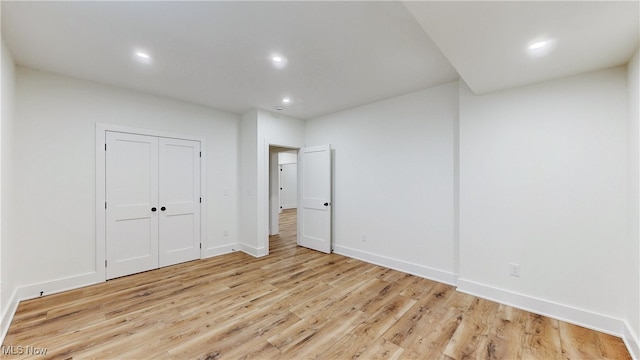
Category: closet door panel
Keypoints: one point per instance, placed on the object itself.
(131, 195)
(179, 199)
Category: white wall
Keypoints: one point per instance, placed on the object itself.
(632, 287)
(55, 168)
(287, 185)
(288, 157)
(280, 130)
(543, 183)
(248, 167)
(6, 192)
(277, 130)
(259, 130)
(394, 180)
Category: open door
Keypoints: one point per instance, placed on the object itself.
(314, 192)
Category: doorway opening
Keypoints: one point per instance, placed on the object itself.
(283, 197)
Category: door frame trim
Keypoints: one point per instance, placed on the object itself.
(100, 171)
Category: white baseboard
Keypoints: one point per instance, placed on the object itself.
(220, 250)
(7, 314)
(632, 341)
(33, 291)
(400, 265)
(229, 248)
(254, 251)
(569, 314)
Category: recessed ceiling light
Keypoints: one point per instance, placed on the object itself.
(142, 56)
(279, 108)
(542, 46)
(278, 60)
(537, 45)
(286, 100)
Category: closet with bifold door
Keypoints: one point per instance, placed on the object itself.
(152, 208)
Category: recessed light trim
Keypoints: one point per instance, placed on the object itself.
(537, 45)
(540, 47)
(279, 61)
(286, 100)
(142, 56)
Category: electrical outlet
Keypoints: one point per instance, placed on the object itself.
(514, 270)
(225, 232)
(364, 237)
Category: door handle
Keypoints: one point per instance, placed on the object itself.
(153, 209)
(326, 204)
(163, 208)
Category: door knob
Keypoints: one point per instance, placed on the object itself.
(326, 204)
(163, 208)
(153, 209)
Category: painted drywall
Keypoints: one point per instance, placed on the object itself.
(248, 167)
(258, 130)
(7, 277)
(273, 130)
(287, 157)
(54, 163)
(287, 178)
(543, 184)
(394, 180)
(632, 288)
(280, 130)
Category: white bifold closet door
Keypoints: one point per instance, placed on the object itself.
(152, 202)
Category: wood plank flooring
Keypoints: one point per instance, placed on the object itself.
(293, 304)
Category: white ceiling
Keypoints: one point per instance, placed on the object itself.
(487, 42)
(340, 54)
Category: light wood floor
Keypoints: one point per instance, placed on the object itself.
(293, 304)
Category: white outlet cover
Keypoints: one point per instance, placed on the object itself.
(514, 270)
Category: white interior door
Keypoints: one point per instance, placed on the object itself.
(131, 203)
(289, 186)
(179, 200)
(314, 205)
